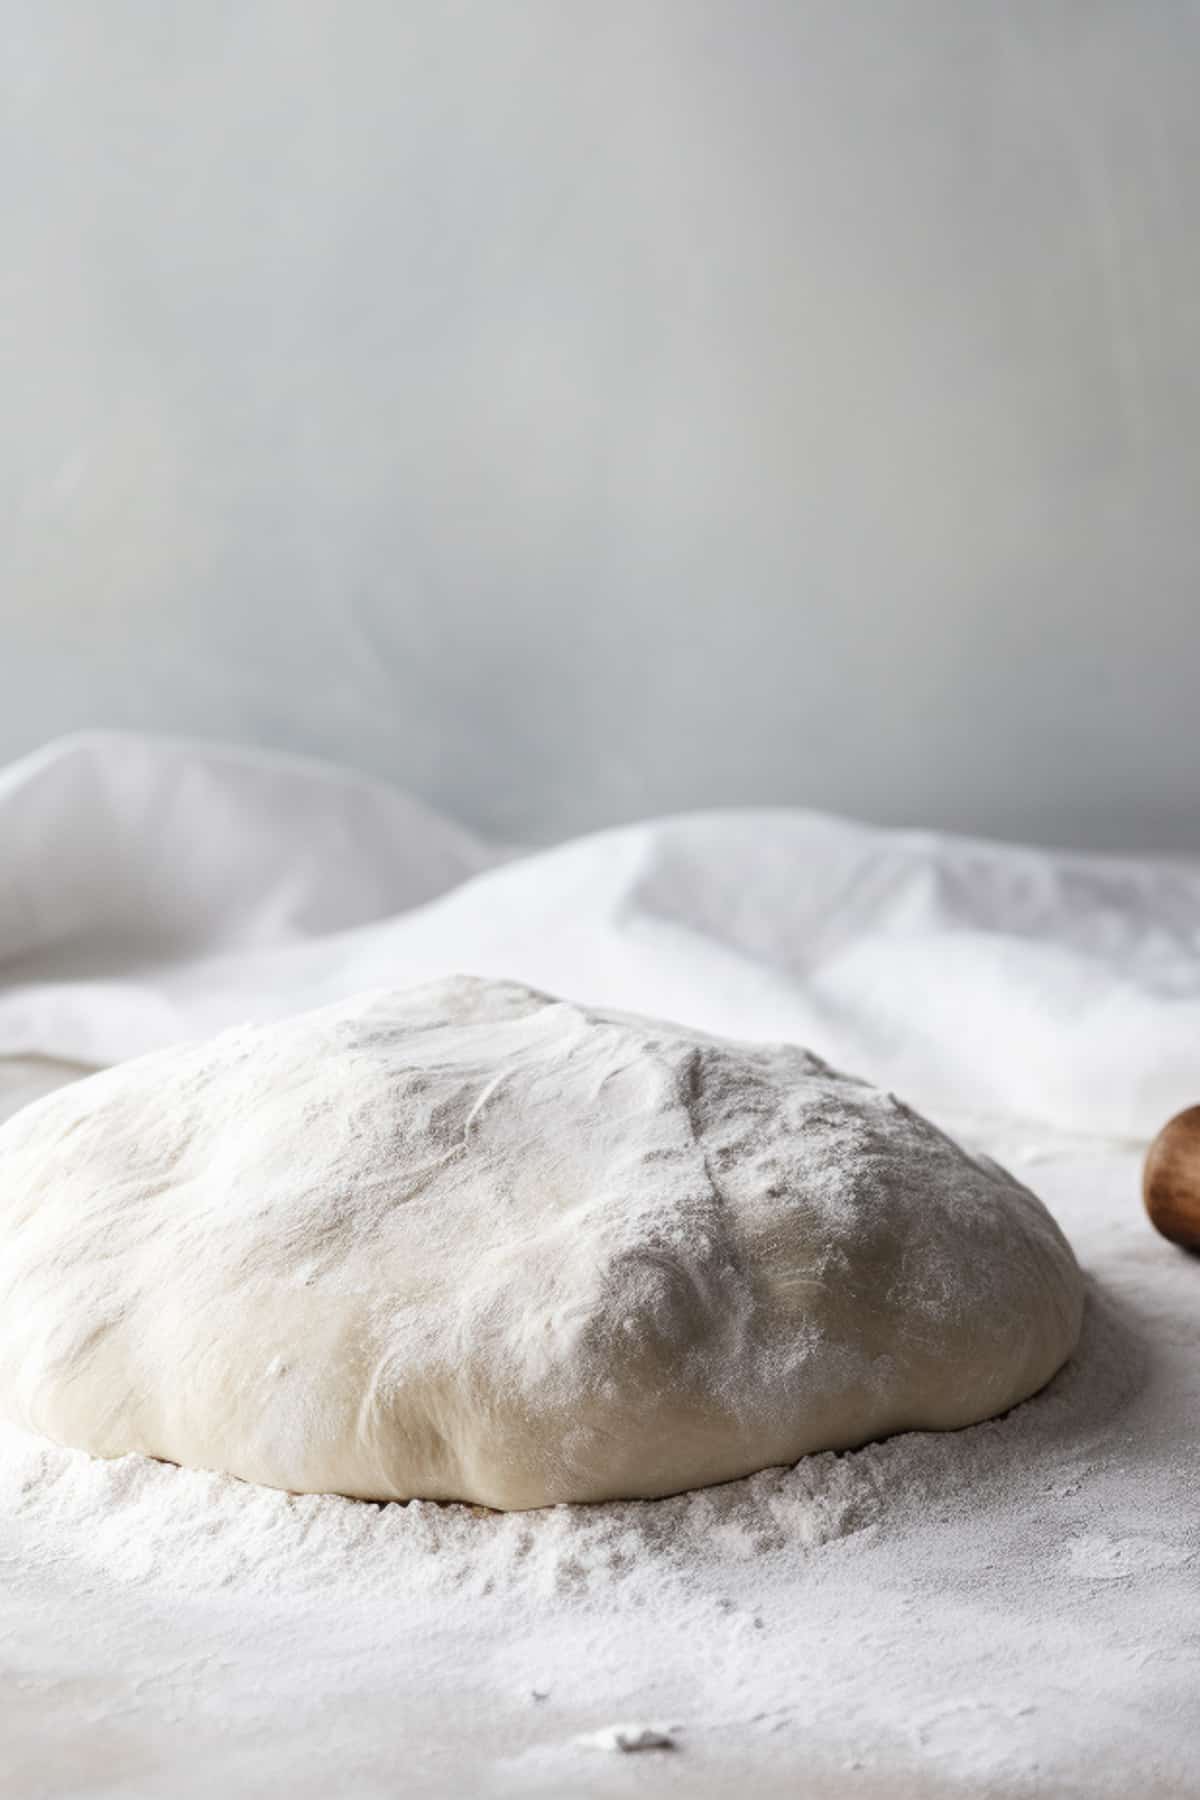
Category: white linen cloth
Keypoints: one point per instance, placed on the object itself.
(153, 890)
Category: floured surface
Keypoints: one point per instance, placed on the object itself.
(971, 1612)
(1007, 1610)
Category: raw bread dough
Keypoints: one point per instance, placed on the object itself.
(470, 1242)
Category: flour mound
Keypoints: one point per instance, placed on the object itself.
(471, 1242)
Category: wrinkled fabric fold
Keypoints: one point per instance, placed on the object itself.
(153, 891)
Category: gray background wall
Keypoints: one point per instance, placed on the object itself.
(574, 410)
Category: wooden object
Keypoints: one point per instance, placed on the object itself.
(1171, 1180)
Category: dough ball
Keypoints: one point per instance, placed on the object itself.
(470, 1242)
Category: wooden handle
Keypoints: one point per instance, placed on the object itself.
(1171, 1180)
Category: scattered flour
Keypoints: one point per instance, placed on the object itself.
(136, 1520)
(1005, 1610)
(630, 1737)
(1100, 1558)
(972, 1608)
